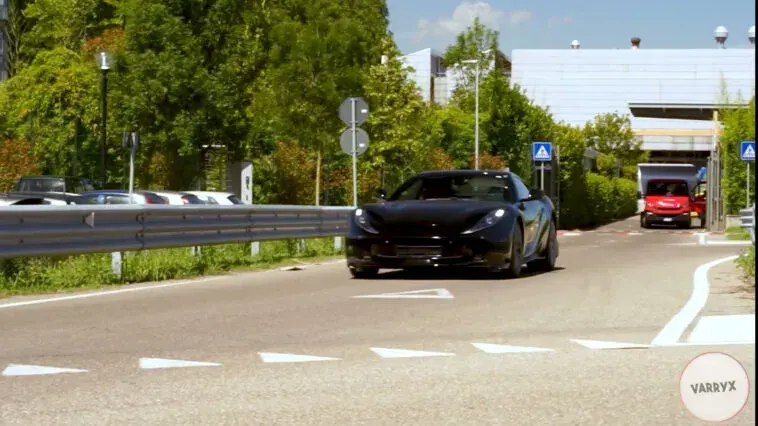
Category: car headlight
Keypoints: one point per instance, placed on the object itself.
(361, 219)
(490, 219)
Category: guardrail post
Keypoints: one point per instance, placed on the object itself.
(337, 244)
(255, 248)
(195, 250)
(116, 262)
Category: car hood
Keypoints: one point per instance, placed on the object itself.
(444, 213)
(665, 201)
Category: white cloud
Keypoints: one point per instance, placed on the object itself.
(463, 16)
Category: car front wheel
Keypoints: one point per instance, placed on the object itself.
(364, 273)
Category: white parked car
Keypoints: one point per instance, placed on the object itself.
(178, 198)
(220, 198)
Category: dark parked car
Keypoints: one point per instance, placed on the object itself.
(11, 199)
(463, 218)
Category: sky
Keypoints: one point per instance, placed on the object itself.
(553, 24)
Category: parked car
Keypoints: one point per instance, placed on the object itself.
(179, 198)
(56, 190)
(220, 198)
(11, 199)
(457, 218)
(121, 196)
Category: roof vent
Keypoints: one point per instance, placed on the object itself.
(721, 34)
(636, 42)
(575, 44)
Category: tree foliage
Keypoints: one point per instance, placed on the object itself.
(261, 80)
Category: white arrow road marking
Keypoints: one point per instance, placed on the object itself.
(600, 344)
(503, 349)
(271, 357)
(406, 353)
(438, 293)
(154, 363)
(35, 370)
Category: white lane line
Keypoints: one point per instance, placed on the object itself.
(273, 357)
(672, 332)
(155, 363)
(406, 353)
(438, 293)
(601, 344)
(106, 293)
(36, 370)
(492, 348)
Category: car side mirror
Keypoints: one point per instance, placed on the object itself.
(380, 195)
(534, 194)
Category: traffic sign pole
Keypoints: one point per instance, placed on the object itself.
(542, 175)
(355, 155)
(747, 154)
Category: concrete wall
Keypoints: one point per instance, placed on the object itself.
(578, 84)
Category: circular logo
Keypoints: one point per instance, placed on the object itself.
(714, 387)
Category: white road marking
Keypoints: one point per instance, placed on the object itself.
(439, 293)
(571, 234)
(155, 363)
(671, 333)
(724, 328)
(406, 353)
(36, 370)
(272, 357)
(106, 293)
(600, 344)
(491, 348)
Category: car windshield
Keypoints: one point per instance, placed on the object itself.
(478, 187)
(667, 188)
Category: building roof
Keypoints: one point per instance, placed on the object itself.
(678, 111)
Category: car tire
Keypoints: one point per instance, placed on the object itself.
(547, 263)
(364, 273)
(643, 222)
(517, 254)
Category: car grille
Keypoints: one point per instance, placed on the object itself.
(418, 251)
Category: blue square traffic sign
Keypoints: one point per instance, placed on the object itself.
(542, 151)
(747, 150)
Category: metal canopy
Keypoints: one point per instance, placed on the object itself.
(678, 111)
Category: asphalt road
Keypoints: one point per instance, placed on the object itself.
(615, 285)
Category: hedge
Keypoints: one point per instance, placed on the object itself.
(594, 200)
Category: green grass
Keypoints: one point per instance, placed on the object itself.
(737, 233)
(747, 263)
(92, 271)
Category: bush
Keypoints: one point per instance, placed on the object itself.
(747, 263)
(597, 200)
(35, 275)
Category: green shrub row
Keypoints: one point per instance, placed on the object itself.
(594, 200)
(48, 274)
(747, 263)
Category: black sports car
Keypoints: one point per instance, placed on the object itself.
(465, 218)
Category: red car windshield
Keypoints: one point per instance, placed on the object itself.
(667, 189)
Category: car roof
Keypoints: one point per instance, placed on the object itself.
(462, 172)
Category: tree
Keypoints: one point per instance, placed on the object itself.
(739, 125)
(394, 125)
(319, 54)
(611, 134)
(16, 160)
(476, 42)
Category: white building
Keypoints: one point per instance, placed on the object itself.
(436, 82)
(670, 93)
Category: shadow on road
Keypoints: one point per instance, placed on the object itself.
(449, 273)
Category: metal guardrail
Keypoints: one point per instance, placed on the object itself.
(747, 221)
(74, 229)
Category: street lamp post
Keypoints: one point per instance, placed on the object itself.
(104, 62)
(476, 112)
